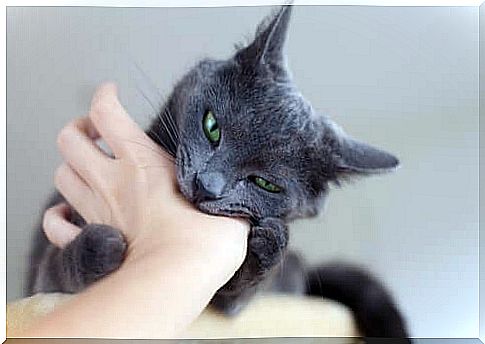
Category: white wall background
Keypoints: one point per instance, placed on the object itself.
(405, 79)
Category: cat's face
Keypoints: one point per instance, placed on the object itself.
(248, 142)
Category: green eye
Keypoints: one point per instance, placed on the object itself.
(264, 184)
(211, 128)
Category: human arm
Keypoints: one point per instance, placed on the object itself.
(177, 257)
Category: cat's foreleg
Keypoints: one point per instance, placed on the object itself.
(97, 251)
(267, 243)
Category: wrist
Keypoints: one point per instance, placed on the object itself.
(216, 245)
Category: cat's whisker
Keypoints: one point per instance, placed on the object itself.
(165, 118)
(168, 148)
(148, 100)
(172, 123)
(172, 139)
(158, 110)
(151, 83)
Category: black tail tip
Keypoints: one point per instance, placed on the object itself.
(375, 312)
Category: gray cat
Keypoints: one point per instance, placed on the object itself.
(246, 144)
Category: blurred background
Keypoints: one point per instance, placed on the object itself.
(404, 79)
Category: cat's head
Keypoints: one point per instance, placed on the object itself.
(250, 144)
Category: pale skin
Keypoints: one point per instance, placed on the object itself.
(177, 257)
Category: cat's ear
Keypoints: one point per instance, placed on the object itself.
(356, 157)
(267, 47)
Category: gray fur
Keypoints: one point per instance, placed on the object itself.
(268, 130)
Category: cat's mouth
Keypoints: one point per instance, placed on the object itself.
(230, 210)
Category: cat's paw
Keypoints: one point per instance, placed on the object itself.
(101, 250)
(267, 242)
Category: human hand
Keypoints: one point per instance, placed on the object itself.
(134, 191)
(177, 257)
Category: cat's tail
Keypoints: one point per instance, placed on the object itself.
(374, 309)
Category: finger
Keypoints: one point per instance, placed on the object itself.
(57, 228)
(118, 129)
(91, 130)
(111, 119)
(75, 191)
(75, 142)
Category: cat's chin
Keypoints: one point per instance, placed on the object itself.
(213, 208)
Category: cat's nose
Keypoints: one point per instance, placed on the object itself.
(210, 185)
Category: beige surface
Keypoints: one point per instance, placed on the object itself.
(268, 316)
